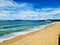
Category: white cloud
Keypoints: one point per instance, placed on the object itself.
(10, 10)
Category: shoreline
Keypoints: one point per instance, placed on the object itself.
(45, 36)
(23, 33)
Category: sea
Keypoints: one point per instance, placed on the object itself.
(12, 28)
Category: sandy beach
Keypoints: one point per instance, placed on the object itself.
(46, 36)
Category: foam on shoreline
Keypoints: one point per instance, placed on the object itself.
(13, 35)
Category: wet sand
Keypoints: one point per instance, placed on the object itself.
(46, 36)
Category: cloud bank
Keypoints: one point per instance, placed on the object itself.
(10, 10)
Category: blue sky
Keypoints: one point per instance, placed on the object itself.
(42, 3)
(29, 9)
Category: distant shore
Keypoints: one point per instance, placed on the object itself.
(46, 36)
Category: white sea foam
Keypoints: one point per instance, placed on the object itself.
(13, 35)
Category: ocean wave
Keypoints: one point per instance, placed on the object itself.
(4, 27)
(14, 34)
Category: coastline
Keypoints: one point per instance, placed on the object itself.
(30, 38)
(15, 34)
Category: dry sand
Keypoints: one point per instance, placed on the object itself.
(46, 36)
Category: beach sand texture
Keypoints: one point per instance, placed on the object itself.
(46, 36)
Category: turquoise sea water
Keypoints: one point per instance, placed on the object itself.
(12, 28)
(7, 27)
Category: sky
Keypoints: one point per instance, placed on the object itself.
(29, 9)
